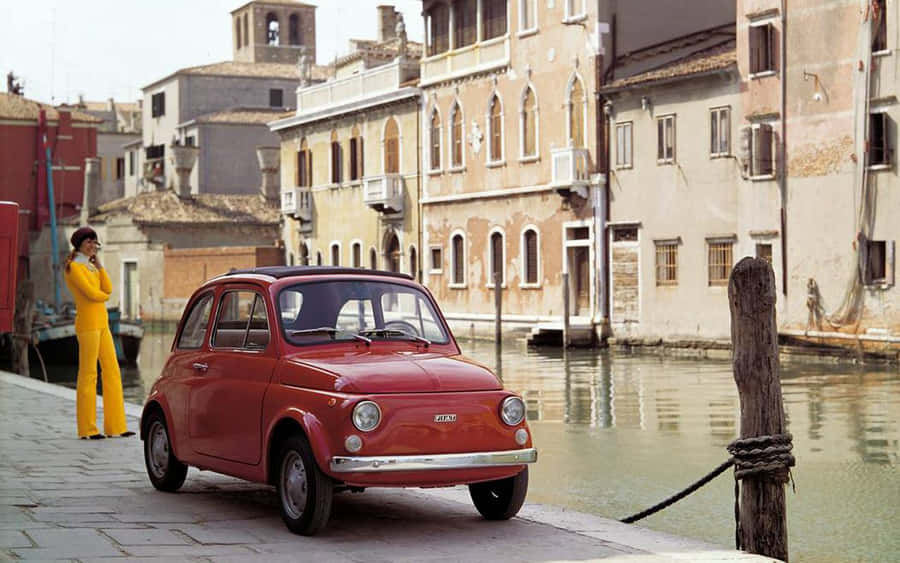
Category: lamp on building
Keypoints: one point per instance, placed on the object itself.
(645, 103)
(818, 94)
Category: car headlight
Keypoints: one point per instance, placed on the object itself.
(366, 416)
(512, 411)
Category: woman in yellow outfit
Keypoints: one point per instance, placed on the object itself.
(90, 286)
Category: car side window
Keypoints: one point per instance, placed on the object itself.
(196, 324)
(242, 321)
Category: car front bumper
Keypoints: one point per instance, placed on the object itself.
(377, 464)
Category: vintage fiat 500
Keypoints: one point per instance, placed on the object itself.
(324, 379)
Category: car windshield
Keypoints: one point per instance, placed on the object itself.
(319, 312)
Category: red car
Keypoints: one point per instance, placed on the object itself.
(326, 379)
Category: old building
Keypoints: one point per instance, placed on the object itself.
(512, 149)
(273, 31)
(674, 187)
(350, 162)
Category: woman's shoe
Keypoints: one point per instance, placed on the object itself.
(93, 437)
(126, 434)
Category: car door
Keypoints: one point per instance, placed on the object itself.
(189, 352)
(226, 406)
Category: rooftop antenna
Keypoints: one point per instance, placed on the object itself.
(52, 53)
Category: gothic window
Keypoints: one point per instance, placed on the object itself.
(336, 159)
(495, 129)
(530, 256)
(576, 113)
(435, 140)
(356, 154)
(456, 134)
(529, 123)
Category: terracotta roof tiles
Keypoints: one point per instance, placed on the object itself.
(166, 208)
(21, 108)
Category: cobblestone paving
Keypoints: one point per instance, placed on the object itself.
(67, 499)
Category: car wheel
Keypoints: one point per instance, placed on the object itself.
(165, 471)
(500, 499)
(305, 492)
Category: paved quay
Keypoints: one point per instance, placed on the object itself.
(67, 499)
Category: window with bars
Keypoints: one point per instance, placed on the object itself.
(465, 27)
(391, 147)
(576, 114)
(624, 133)
(762, 149)
(435, 140)
(880, 150)
(720, 260)
(531, 256)
(336, 159)
(719, 131)
(458, 260)
(665, 139)
(762, 48)
(437, 260)
(497, 259)
(529, 124)
(495, 130)
(493, 18)
(456, 136)
(438, 29)
(667, 262)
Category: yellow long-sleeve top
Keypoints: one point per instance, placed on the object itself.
(90, 286)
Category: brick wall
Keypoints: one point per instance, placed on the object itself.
(187, 268)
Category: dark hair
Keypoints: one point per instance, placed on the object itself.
(78, 237)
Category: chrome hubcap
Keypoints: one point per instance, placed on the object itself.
(159, 450)
(293, 485)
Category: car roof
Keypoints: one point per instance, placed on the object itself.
(279, 272)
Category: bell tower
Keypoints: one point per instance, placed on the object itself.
(273, 31)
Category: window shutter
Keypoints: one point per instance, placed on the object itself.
(770, 47)
(660, 140)
(890, 248)
(354, 175)
(362, 157)
(531, 257)
(754, 49)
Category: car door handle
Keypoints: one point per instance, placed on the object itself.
(201, 367)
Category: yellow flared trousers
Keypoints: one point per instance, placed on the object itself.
(94, 345)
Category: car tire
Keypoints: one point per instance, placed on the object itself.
(165, 471)
(500, 499)
(304, 492)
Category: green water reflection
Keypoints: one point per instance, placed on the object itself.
(617, 434)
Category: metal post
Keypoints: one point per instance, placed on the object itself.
(498, 306)
(565, 288)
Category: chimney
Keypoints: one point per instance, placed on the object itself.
(269, 163)
(387, 23)
(92, 194)
(183, 159)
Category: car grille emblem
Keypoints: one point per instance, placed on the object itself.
(445, 418)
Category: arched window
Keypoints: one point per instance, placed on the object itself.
(495, 129)
(357, 255)
(576, 113)
(272, 29)
(529, 123)
(530, 256)
(392, 253)
(318, 258)
(336, 159)
(413, 262)
(304, 165)
(237, 31)
(335, 254)
(458, 259)
(246, 31)
(497, 258)
(356, 154)
(435, 140)
(391, 147)
(373, 258)
(456, 136)
(304, 254)
(294, 29)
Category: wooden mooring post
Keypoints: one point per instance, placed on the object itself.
(498, 307)
(565, 315)
(763, 444)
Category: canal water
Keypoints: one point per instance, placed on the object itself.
(619, 433)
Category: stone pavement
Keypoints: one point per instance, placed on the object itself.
(70, 499)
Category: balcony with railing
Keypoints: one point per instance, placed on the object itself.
(384, 193)
(570, 171)
(371, 82)
(480, 57)
(298, 203)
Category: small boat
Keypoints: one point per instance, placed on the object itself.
(54, 336)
